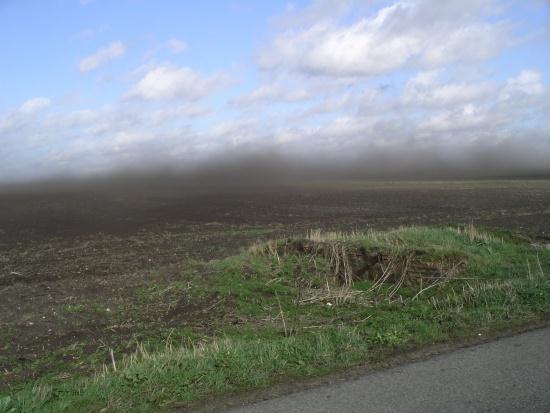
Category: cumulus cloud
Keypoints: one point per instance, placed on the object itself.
(101, 57)
(406, 34)
(86, 141)
(528, 82)
(169, 83)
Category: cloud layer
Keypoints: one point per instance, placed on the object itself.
(411, 88)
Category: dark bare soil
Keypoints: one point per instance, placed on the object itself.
(83, 271)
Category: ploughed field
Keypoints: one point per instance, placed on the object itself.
(84, 272)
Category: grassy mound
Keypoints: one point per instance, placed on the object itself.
(303, 307)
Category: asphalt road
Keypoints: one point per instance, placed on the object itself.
(508, 375)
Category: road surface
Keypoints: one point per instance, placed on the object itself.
(507, 375)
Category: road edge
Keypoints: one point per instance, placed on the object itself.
(400, 357)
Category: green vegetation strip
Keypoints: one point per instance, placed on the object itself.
(310, 306)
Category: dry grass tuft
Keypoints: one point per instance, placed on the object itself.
(348, 262)
(334, 296)
(475, 234)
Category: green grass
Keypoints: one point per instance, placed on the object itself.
(296, 317)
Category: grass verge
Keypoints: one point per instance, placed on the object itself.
(304, 307)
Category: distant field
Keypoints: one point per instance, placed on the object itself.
(85, 272)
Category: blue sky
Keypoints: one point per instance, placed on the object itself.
(89, 86)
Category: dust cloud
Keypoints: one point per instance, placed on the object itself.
(233, 171)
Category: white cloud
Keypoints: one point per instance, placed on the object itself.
(169, 83)
(425, 89)
(270, 93)
(34, 105)
(473, 43)
(177, 46)
(18, 118)
(128, 138)
(73, 119)
(101, 57)
(466, 117)
(405, 34)
(528, 82)
(328, 50)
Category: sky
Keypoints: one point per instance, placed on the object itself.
(88, 86)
